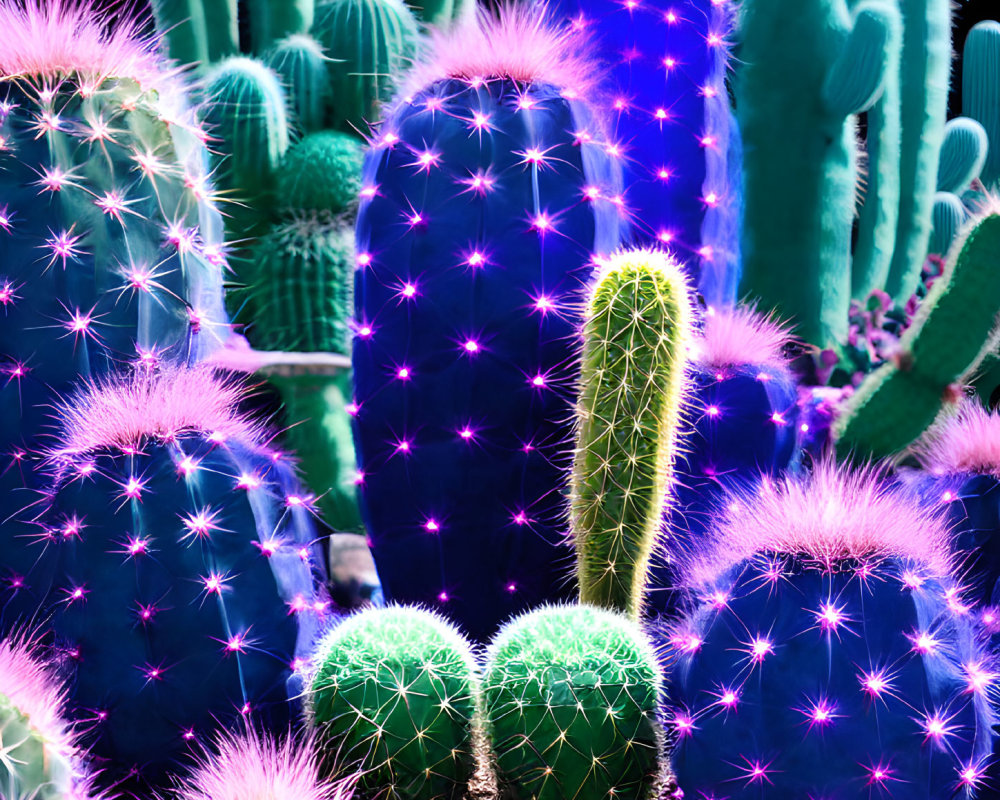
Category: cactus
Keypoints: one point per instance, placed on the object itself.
(321, 174)
(632, 391)
(300, 63)
(40, 759)
(274, 20)
(743, 405)
(980, 90)
(393, 694)
(173, 556)
(825, 650)
(948, 217)
(570, 696)
(372, 41)
(670, 115)
(257, 766)
(111, 243)
(924, 78)
(797, 234)
(951, 333)
(963, 154)
(484, 198)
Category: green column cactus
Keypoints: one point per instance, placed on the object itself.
(810, 65)
(300, 63)
(924, 81)
(954, 329)
(394, 693)
(981, 90)
(570, 698)
(632, 385)
(273, 20)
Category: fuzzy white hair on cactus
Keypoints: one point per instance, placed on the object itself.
(252, 766)
(834, 515)
(740, 336)
(125, 410)
(31, 685)
(520, 43)
(968, 441)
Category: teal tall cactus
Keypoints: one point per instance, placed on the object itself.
(924, 80)
(300, 63)
(632, 383)
(273, 20)
(955, 328)
(394, 693)
(570, 696)
(811, 65)
(981, 90)
(371, 42)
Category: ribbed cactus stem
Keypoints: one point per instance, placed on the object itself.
(953, 331)
(963, 154)
(632, 391)
(272, 20)
(300, 63)
(183, 23)
(981, 89)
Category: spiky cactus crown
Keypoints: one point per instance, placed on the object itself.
(253, 766)
(31, 686)
(966, 442)
(123, 412)
(835, 515)
(741, 335)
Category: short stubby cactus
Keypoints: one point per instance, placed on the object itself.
(632, 389)
(670, 116)
(40, 758)
(254, 766)
(826, 651)
(393, 695)
(112, 249)
(818, 67)
(486, 195)
(570, 697)
(321, 174)
(743, 403)
(175, 561)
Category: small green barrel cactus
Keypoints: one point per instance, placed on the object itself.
(321, 173)
(37, 754)
(632, 385)
(953, 331)
(570, 696)
(394, 693)
(373, 41)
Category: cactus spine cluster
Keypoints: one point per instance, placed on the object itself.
(632, 386)
(570, 696)
(393, 694)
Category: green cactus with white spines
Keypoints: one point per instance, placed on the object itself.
(570, 698)
(981, 90)
(632, 385)
(394, 693)
(321, 174)
(954, 330)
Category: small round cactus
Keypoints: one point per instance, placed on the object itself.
(394, 693)
(570, 696)
(321, 173)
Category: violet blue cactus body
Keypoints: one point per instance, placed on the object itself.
(486, 195)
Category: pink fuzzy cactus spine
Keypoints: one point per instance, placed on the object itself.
(40, 756)
(109, 230)
(825, 648)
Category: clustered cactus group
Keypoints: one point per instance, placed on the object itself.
(637, 540)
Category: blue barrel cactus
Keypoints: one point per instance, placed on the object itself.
(486, 196)
(826, 650)
(744, 424)
(112, 249)
(174, 561)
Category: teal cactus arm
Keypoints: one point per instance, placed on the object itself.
(632, 388)
(924, 82)
(949, 216)
(301, 64)
(876, 228)
(981, 89)
(954, 330)
(273, 20)
(222, 27)
(182, 24)
(963, 155)
(797, 233)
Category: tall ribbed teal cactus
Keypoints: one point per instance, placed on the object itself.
(370, 43)
(954, 329)
(394, 694)
(924, 78)
(300, 63)
(963, 154)
(570, 697)
(981, 90)
(811, 65)
(632, 384)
